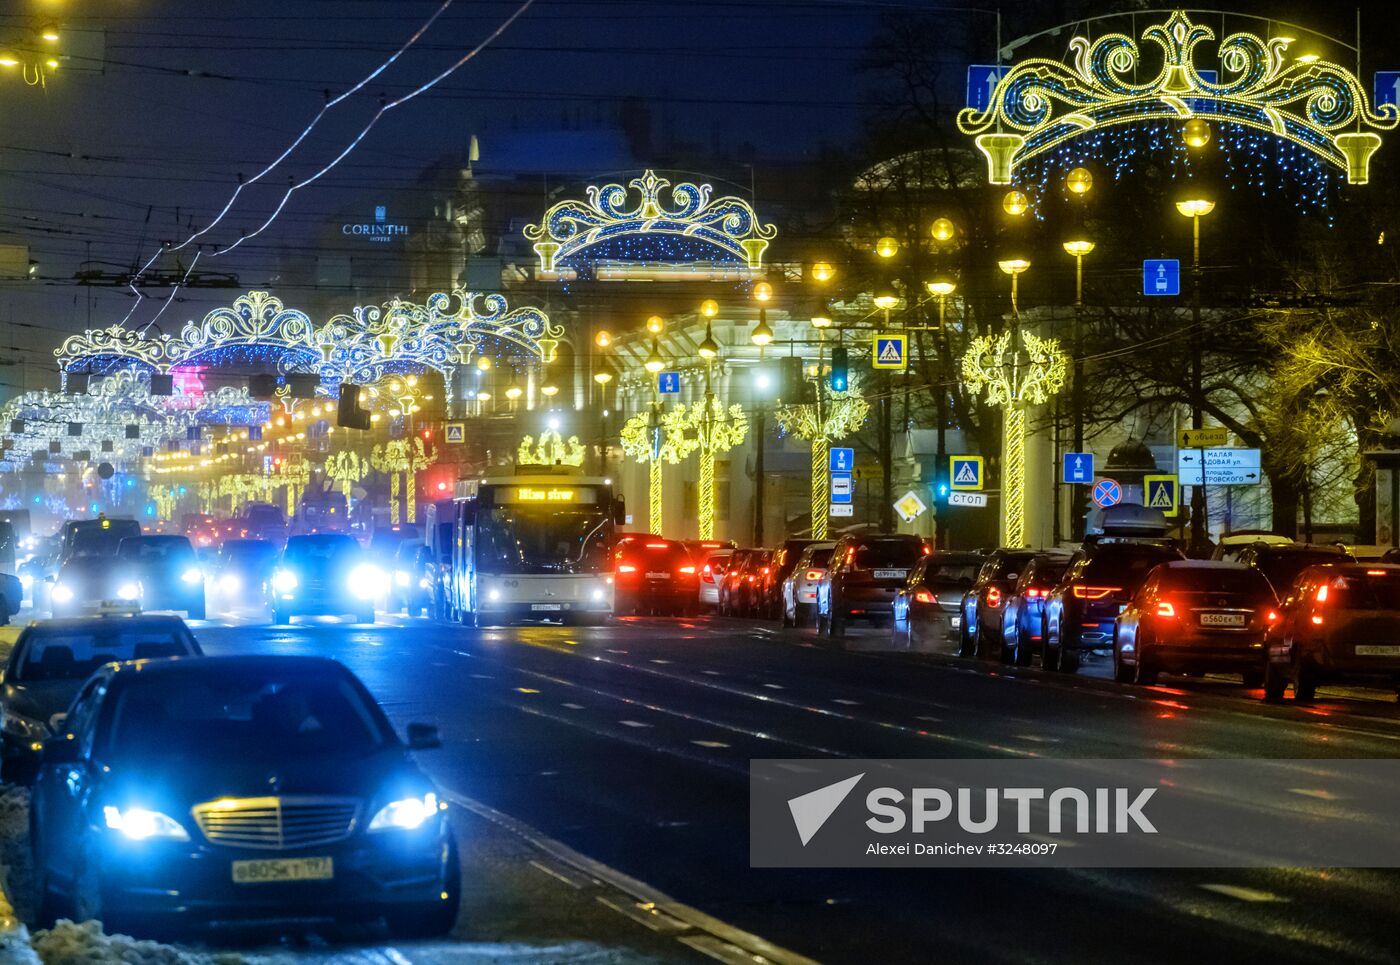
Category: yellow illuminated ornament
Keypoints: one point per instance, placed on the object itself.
(655, 437)
(1040, 104)
(833, 416)
(603, 376)
(1196, 133)
(550, 450)
(887, 247)
(943, 230)
(550, 391)
(1079, 181)
(821, 318)
(1015, 203)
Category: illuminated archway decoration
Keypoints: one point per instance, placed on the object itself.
(727, 227)
(1039, 104)
(991, 363)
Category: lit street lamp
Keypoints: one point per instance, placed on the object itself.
(1196, 209)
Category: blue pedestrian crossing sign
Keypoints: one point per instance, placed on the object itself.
(982, 80)
(1108, 493)
(1161, 276)
(456, 433)
(668, 382)
(1387, 87)
(841, 460)
(1078, 468)
(889, 352)
(1162, 492)
(965, 472)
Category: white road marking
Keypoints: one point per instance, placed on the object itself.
(633, 723)
(711, 744)
(660, 661)
(848, 703)
(931, 720)
(774, 686)
(1038, 739)
(617, 651)
(574, 706)
(712, 673)
(1242, 893)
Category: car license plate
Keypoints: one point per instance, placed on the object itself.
(547, 607)
(263, 870)
(658, 576)
(1376, 650)
(1223, 619)
(955, 622)
(890, 574)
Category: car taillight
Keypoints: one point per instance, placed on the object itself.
(1165, 609)
(688, 569)
(923, 596)
(707, 574)
(1033, 593)
(993, 598)
(1317, 620)
(1271, 616)
(813, 575)
(626, 568)
(1321, 598)
(928, 550)
(1094, 592)
(764, 571)
(1375, 572)
(850, 556)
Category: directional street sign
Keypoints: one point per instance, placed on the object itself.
(1078, 468)
(456, 433)
(1387, 87)
(965, 472)
(841, 460)
(982, 80)
(1162, 492)
(841, 509)
(889, 352)
(668, 382)
(1224, 467)
(967, 499)
(1161, 276)
(1108, 493)
(1203, 438)
(910, 507)
(842, 487)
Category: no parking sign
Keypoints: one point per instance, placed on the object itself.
(1107, 493)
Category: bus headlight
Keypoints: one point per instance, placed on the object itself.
(129, 591)
(62, 593)
(401, 577)
(284, 581)
(367, 581)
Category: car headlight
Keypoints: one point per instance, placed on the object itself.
(405, 814)
(284, 581)
(493, 595)
(401, 578)
(138, 824)
(21, 726)
(230, 583)
(192, 575)
(62, 593)
(425, 583)
(367, 581)
(129, 591)
(26, 580)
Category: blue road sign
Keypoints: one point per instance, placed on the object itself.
(841, 460)
(842, 487)
(1161, 276)
(255, 433)
(1387, 87)
(982, 80)
(1209, 76)
(965, 472)
(668, 383)
(1108, 493)
(1078, 468)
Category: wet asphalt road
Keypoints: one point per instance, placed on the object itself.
(631, 744)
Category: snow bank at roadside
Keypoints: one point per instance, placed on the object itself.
(86, 944)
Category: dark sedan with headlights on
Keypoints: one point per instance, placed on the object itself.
(217, 788)
(86, 584)
(166, 574)
(324, 573)
(50, 661)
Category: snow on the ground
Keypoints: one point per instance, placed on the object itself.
(16, 869)
(86, 944)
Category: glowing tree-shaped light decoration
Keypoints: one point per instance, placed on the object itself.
(714, 429)
(551, 450)
(166, 499)
(1014, 381)
(345, 468)
(656, 437)
(419, 457)
(390, 458)
(406, 456)
(294, 473)
(833, 416)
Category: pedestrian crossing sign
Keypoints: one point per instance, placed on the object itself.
(1162, 492)
(456, 433)
(965, 472)
(890, 352)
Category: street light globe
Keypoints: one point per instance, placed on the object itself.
(709, 308)
(654, 363)
(550, 390)
(1015, 203)
(886, 300)
(943, 230)
(514, 392)
(603, 339)
(1079, 248)
(821, 318)
(822, 271)
(655, 324)
(483, 397)
(887, 247)
(1079, 181)
(762, 334)
(1196, 132)
(1195, 207)
(762, 292)
(602, 376)
(942, 288)
(708, 348)
(484, 363)
(1013, 266)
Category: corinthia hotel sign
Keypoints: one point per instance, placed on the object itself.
(379, 231)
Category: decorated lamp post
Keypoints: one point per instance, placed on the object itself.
(294, 473)
(389, 458)
(834, 415)
(346, 468)
(1017, 370)
(655, 437)
(714, 429)
(406, 456)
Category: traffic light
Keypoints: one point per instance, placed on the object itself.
(791, 380)
(350, 415)
(262, 386)
(162, 383)
(302, 385)
(840, 369)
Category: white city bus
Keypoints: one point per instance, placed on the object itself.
(534, 546)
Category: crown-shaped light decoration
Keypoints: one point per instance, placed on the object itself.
(550, 450)
(728, 224)
(1039, 103)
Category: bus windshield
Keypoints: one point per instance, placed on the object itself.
(542, 539)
